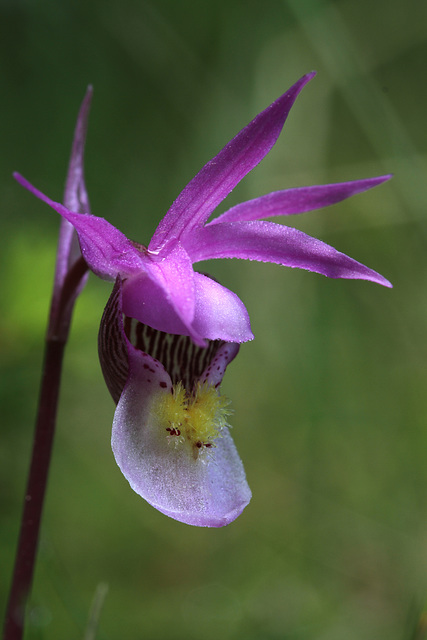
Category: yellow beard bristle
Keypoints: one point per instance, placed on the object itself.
(197, 418)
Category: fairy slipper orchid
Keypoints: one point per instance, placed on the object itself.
(169, 332)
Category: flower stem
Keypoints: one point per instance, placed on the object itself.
(56, 340)
(36, 488)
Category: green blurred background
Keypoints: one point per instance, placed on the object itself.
(329, 400)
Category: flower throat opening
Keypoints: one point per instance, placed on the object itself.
(184, 361)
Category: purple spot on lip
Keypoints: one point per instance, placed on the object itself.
(163, 384)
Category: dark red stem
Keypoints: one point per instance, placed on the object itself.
(36, 487)
(40, 460)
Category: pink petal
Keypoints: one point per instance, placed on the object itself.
(219, 176)
(298, 200)
(163, 296)
(270, 242)
(220, 314)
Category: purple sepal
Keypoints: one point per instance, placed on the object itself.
(270, 242)
(219, 314)
(297, 200)
(221, 174)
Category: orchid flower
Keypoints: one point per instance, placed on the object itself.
(169, 332)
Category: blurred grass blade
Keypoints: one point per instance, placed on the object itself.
(95, 611)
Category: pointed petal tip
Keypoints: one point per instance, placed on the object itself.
(85, 104)
(41, 196)
(27, 185)
(348, 269)
(373, 276)
(366, 274)
(305, 79)
(24, 183)
(292, 93)
(386, 283)
(381, 179)
(87, 96)
(310, 75)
